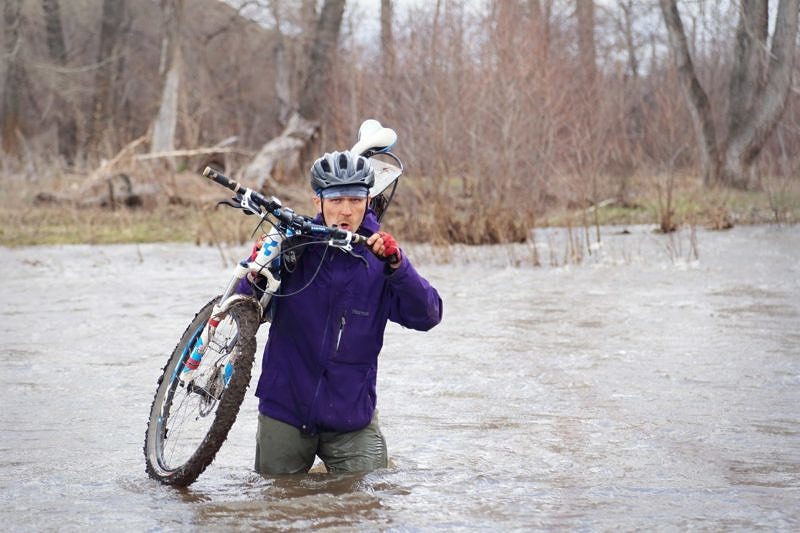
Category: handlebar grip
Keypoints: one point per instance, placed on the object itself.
(223, 180)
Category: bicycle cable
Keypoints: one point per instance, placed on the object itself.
(316, 272)
(295, 247)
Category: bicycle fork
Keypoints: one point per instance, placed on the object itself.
(218, 313)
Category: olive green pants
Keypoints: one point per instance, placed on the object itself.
(282, 449)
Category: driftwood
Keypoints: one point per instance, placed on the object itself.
(188, 153)
(221, 148)
(132, 179)
(113, 184)
(109, 185)
(281, 156)
(121, 191)
(136, 180)
(107, 169)
(111, 192)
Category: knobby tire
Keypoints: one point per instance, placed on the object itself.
(246, 313)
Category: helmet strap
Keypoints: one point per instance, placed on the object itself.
(322, 207)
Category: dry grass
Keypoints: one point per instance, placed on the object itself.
(436, 217)
(71, 225)
(690, 204)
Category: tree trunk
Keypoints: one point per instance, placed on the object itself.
(322, 52)
(285, 154)
(167, 119)
(748, 138)
(302, 58)
(584, 10)
(757, 99)
(56, 46)
(12, 87)
(387, 40)
(112, 17)
(281, 156)
(749, 61)
(696, 97)
(283, 78)
(435, 35)
(626, 28)
(540, 13)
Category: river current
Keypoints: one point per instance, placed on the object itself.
(653, 382)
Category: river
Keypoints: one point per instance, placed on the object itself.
(653, 383)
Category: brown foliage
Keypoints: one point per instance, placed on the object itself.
(503, 111)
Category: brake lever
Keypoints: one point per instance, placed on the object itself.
(346, 246)
(232, 202)
(352, 252)
(243, 202)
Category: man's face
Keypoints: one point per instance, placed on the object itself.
(346, 213)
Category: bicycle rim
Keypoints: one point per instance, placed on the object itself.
(190, 421)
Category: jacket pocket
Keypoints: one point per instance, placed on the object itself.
(358, 338)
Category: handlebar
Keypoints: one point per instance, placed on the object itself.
(299, 224)
(258, 198)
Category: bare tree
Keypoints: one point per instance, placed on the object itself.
(12, 87)
(57, 48)
(769, 101)
(284, 154)
(284, 101)
(758, 93)
(112, 18)
(166, 121)
(490, 98)
(749, 60)
(625, 26)
(699, 104)
(387, 38)
(326, 36)
(584, 11)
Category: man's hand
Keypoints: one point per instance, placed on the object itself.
(385, 248)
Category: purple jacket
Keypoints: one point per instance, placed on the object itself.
(321, 360)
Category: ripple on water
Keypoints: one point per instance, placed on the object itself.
(594, 397)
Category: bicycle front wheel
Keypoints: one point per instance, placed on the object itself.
(189, 421)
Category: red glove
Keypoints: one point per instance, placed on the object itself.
(391, 252)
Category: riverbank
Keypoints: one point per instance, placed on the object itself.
(24, 221)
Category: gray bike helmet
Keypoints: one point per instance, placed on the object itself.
(342, 174)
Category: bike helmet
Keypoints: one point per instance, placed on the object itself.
(342, 174)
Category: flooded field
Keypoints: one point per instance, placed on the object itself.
(653, 384)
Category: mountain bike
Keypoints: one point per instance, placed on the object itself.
(203, 383)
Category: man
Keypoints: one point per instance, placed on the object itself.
(317, 385)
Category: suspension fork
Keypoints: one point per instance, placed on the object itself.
(225, 301)
(218, 312)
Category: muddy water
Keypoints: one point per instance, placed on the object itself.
(646, 387)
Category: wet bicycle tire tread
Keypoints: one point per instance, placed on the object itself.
(247, 312)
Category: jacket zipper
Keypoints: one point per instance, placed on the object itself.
(342, 322)
(308, 428)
